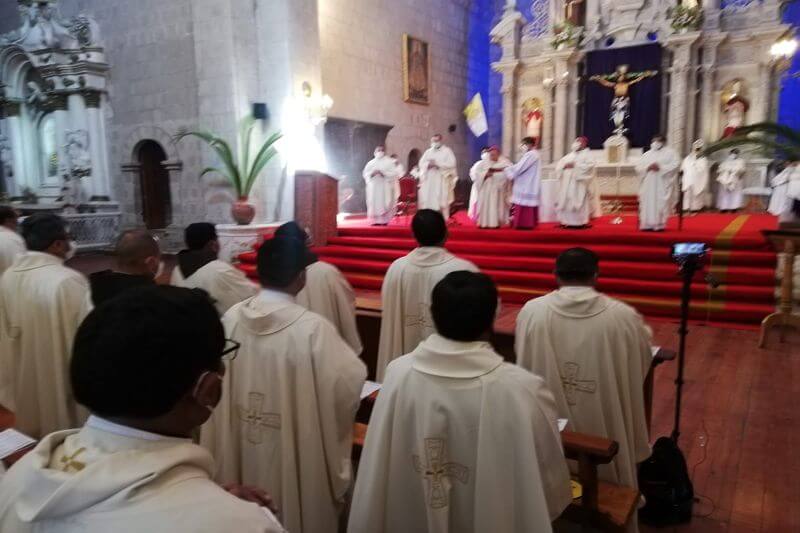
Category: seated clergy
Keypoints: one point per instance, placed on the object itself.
(199, 268)
(148, 365)
(42, 302)
(594, 353)
(406, 291)
(138, 262)
(286, 419)
(11, 243)
(459, 440)
(327, 291)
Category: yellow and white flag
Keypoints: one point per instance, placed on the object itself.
(476, 116)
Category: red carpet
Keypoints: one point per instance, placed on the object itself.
(635, 266)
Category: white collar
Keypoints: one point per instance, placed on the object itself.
(273, 296)
(101, 424)
(444, 357)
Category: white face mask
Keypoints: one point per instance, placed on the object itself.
(436, 144)
(160, 270)
(576, 146)
(379, 154)
(734, 155)
(657, 145)
(71, 251)
(485, 156)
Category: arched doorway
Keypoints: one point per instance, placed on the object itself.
(154, 183)
(413, 159)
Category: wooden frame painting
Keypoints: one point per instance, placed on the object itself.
(416, 70)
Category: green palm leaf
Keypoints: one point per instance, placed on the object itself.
(265, 154)
(771, 128)
(245, 136)
(223, 151)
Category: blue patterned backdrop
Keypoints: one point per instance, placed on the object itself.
(789, 109)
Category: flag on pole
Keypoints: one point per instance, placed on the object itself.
(476, 116)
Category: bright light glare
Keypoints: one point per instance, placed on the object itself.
(784, 49)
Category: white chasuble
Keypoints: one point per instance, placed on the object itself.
(781, 201)
(383, 189)
(328, 293)
(285, 421)
(11, 247)
(122, 480)
(575, 204)
(460, 441)
(226, 284)
(42, 303)
(489, 201)
(594, 353)
(730, 195)
(437, 180)
(406, 300)
(657, 187)
(527, 177)
(695, 182)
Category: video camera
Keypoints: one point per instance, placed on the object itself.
(689, 253)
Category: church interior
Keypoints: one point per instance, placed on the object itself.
(334, 157)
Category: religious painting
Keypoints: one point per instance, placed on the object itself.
(533, 119)
(416, 70)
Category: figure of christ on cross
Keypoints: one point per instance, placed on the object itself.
(435, 469)
(621, 81)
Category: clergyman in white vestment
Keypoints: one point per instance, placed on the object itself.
(695, 179)
(730, 196)
(327, 292)
(286, 417)
(489, 203)
(149, 368)
(437, 177)
(785, 190)
(383, 188)
(575, 171)
(200, 268)
(12, 244)
(459, 440)
(407, 286)
(594, 353)
(42, 303)
(657, 169)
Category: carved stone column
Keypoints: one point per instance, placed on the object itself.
(709, 72)
(681, 47)
(506, 34)
(509, 92)
(101, 182)
(562, 62)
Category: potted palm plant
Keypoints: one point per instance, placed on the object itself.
(773, 139)
(242, 173)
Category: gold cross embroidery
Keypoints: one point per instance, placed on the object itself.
(70, 462)
(573, 385)
(256, 420)
(422, 318)
(437, 471)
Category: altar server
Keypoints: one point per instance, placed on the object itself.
(42, 303)
(657, 169)
(575, 171)
(459, 440)
(200, 268)
(286, 417)
(526, 175)
(381, 175)
(437, 177)
(407, 286)
(695, 179)
(594, 353)
(489, 204)
(138, 262)
(785, 191)
(327, 291)
(12, 244)
(148, 366)
(730, 197)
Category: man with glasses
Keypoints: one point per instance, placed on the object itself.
(41, 305)
(286, 419)
(148, 366)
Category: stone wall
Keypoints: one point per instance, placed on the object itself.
(361, 46)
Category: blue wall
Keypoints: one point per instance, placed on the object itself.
(789, 108)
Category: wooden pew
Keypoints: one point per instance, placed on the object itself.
(606, 506)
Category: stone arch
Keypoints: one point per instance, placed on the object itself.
(154, 133)
(413, 159)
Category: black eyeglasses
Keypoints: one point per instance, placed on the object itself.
(231, 350)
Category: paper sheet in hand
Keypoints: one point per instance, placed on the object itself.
(369, 388)
(655, 349)
(562, 424)
(12, 441)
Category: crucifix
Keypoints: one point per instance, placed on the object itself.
(436, 469)
(621, 81)
(573, 385)
(257, 421)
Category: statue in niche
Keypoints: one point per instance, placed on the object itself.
(6, 167)
(79, 161)
(533, 119)
(36, 97)
(575, 12)
(621, 81)
(734, 107)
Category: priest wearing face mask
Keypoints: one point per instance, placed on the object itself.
(437, 177)
(657, 170)
(383, 189)
(526, 174)
(695, 171)
(730, 196)
(488, 202)
(41, 306)
(575, 172)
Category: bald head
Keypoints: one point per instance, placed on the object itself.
(138, 253)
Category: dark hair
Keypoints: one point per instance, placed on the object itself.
(134, 246)
(7, 213)
(198, 235)
(429, 227)
(577, 265)
(464, 305)
(529, 141)
(137, 354)
(280, 260)
(41, 230)
(292, 229)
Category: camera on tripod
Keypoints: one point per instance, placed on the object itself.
(689, 254)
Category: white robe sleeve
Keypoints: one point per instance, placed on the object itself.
(390, 344)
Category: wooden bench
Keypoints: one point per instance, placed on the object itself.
(606, 506)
